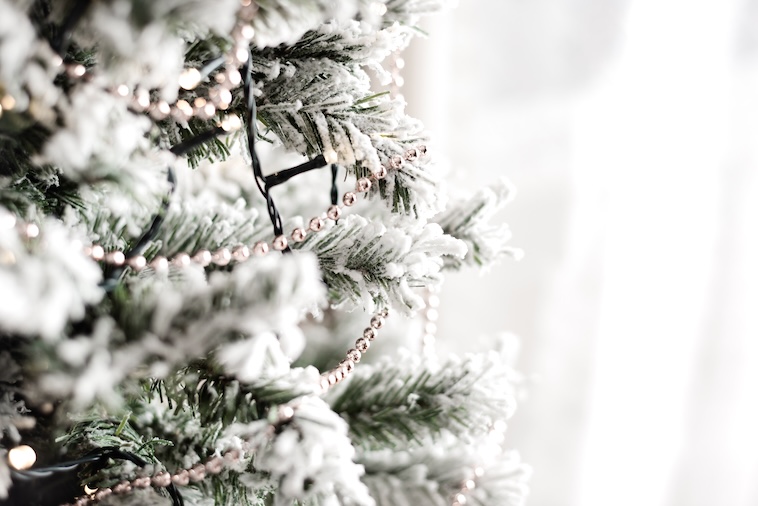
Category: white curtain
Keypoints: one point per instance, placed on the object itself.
(631, 131)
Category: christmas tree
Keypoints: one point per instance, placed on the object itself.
(220, 242)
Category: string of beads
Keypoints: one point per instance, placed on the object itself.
(181, 477)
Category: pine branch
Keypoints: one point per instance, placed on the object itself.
(405, 400)
(468, 220)
(432, 475)
(368, 263)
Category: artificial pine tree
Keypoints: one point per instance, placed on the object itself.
(202, 205)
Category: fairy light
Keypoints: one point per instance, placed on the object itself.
(330, 156)
(22, 457)
(190, 78)
(7, 102)
(231, 123)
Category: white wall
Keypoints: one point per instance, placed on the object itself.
(631, 131)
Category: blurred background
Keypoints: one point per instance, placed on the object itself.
(630, 129)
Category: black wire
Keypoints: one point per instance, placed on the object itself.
(99, 455)
(335, 193)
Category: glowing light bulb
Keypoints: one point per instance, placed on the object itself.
(190, 78)
(22, 457)
(88, 490)
(330, 156)
(231, 123)
(7, 102)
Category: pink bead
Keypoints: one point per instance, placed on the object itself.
(354, 355)
(363, 185)
(298, 235)
(377, 322)
(241, 253)
(260, 248)
(348, 199)
(180, 478)
(334, 213)
(381, 173)
(362, 344)
(162, 479)
(203, 258)
(279, 243)
(369, 333)
(222, 257)
(316, 224)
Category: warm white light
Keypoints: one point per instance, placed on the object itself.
(7, 102)
(234, 77)
(189, 79)
(22, 457)
(330, 156)
(379, 8)
(247, 32)
(231, 123)
(88, 490)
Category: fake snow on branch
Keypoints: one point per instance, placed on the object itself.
(314, 99)
(365, 262)
(440, 472)
(309, 455)
(468, 220)
(408, 401)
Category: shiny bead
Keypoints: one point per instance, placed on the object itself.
(323, 383)
(433, 301)
(214, 465)
(354, 355)
(430, 328)
(284, 413)
(369, 334)
(82, 501)
(137, 263)
(334, 213)
(197, 473)
(221, 256)
(396, 162)
(340, 374)
(332, 379)
(241, 253)
(348, 364)
(460, 499)
(316, 224)
(122, 488)
(260, 248)
(432, 314)
(411, 154)
(141, 482)
(381, 173)
(384, 312)
(479, 472)
(279, 243)
(363, 185)
(203, 258)
(348, 199)
(159, 264)
(115, 258)
(232, 455)
(421, 150)
(103, 493)
(298, 235)
(469, 485)
(181, 260)
(162, 479)
(362, 344)
(377, 322)
(180, 478)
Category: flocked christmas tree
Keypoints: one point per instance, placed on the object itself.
(203, 204)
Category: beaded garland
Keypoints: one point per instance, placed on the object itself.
(219, 98)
